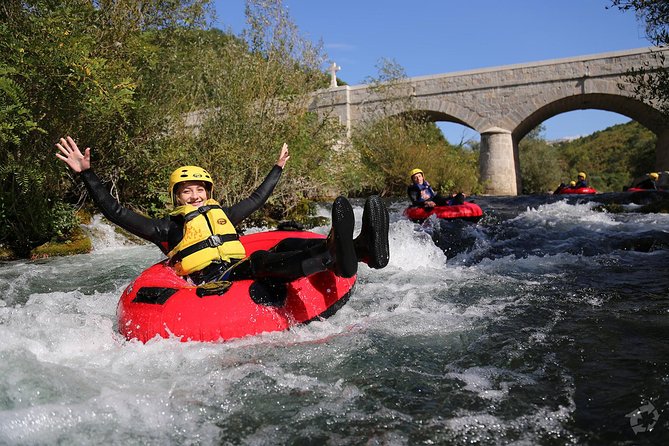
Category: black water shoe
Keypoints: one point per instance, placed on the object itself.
(372, 243)
(340, 240)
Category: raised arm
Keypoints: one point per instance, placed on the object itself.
(246, 207)
(149, 229)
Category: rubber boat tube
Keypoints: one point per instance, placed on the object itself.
(160, 303)
(466, 211)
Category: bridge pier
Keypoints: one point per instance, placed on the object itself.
(662, 150)
(498, 162)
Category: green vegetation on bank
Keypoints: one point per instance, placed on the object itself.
(386, 150)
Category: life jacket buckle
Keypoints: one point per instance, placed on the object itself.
(214, 241)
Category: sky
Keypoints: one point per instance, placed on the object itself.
(429, 37)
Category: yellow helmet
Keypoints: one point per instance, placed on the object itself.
(189, 173)
(572, 183)
(414, 172)
(654, 176)
(581, 174)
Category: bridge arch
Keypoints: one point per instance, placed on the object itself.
(433, 109)
(634, 109)
(644, 114)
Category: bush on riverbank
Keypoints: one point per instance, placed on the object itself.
(389, 149)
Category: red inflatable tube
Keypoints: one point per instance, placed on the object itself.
(578, 190)
(465, 211)
(160, 303)
(639, 189)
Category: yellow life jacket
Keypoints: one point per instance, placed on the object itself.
(208, 237)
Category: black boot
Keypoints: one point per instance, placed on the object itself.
(284, 267)
(343, 259)
(371, 245)
(459, 198)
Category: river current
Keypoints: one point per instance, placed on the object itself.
(547, 323)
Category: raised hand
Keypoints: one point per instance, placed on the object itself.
(72, 156)
(283, 156)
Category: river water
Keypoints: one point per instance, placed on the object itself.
(546, 323)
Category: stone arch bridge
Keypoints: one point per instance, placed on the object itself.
(505, 103)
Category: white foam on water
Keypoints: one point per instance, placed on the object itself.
(561, 215)
(483, 428)
(105, 236)
(412, 249)
(490, 383)
(67, 376)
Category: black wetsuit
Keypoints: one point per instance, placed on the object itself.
(168, 232)
(648, 183)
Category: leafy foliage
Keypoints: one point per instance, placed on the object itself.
(613, 156)
(30, 220)
(541, 166)
(388, 149)
(16, 120)
(651, 84)
(654, 12)
(120, 76)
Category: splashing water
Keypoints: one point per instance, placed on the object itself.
(544, 324)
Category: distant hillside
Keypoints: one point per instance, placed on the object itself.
(611, 157)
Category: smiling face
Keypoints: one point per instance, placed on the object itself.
(193, 193)
(418, 178)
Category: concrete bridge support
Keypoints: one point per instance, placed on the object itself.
(662, 150)
(498, 162)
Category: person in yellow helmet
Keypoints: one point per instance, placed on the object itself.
(200, 239)
(421, 193)
(580, 181)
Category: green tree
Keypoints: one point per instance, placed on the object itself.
(55, 61)
(651, 84)
(250, 95)
(71, 67)
(541, 168)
